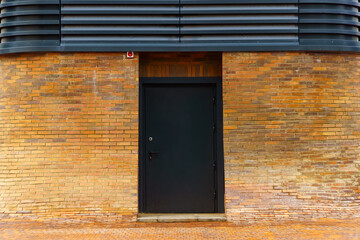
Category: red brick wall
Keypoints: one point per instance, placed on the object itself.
(291, 136)
(69, 136)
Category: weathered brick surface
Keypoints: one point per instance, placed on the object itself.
(291, 136)
(69, 136)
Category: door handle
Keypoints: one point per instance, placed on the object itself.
(151, 154)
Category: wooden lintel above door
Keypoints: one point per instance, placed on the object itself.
(182, 64)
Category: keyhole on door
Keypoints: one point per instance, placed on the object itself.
(150, 139)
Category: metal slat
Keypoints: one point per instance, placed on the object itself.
(239, 19)
(120, 2)
(242, 38)
(120, 39)
(330, 31)
(233, 9)
(29, 13)
(28, 3)
(330, 21)
(331, 11)
(120, 20)
(337, 2)
(29, 23)
(29, 33)
(107, 30)
(213, 2)
(221, 29)
(119, 10)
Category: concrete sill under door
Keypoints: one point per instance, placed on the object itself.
(181, 217)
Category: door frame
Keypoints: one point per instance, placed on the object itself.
(219, 174)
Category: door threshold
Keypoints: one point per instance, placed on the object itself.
(181, 217)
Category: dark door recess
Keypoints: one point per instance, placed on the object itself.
(179, 148)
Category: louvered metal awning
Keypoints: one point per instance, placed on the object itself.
(163, 24)
(179, 25)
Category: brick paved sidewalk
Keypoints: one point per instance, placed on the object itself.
(54, 231)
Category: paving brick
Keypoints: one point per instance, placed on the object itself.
(324, 229)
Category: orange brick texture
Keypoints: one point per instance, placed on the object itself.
(69, 136)
(291, 136)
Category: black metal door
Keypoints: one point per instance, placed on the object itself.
(179, 148)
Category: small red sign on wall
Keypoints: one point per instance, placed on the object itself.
(130, 54)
